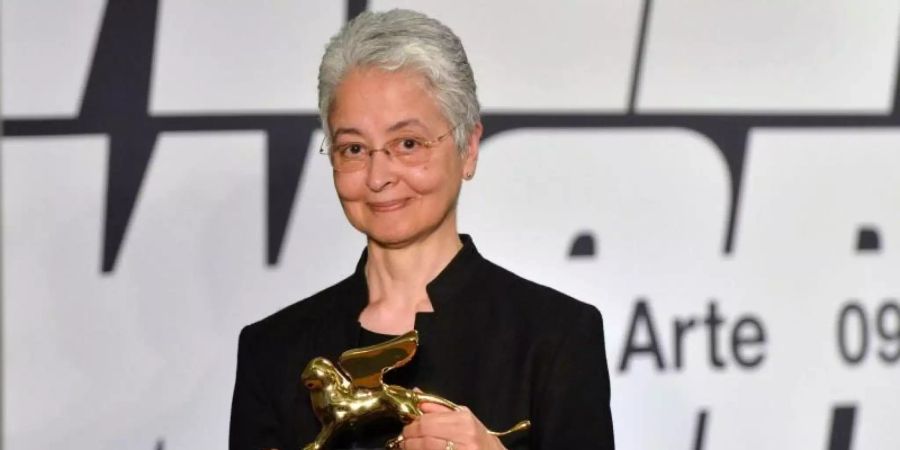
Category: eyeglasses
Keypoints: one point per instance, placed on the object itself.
(353, 156)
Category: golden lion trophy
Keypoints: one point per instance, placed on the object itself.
(358, 394)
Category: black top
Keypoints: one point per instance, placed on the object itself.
(506, 347)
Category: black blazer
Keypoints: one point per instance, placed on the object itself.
(506, 347)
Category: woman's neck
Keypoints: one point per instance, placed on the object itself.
(397, 278)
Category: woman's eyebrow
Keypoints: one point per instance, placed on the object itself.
(405, 123)
(341, 131)
(397, 126)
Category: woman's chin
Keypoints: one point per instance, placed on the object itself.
(391, 240)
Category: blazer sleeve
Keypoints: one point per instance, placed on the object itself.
(573, 409)
(254, 423)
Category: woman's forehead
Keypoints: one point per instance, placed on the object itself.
(378, 100)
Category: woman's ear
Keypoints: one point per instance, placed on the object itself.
(470, 158)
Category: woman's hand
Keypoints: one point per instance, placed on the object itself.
(442, 428)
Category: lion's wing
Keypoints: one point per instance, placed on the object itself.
(366, 366)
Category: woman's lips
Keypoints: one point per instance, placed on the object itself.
(386, 206)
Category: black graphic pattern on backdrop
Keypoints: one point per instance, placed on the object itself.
(116, 102)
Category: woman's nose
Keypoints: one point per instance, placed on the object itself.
(381, 171)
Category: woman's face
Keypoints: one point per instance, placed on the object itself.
(395, 204)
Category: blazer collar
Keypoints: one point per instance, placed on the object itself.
(443, 290)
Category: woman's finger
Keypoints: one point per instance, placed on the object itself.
(428, 407)
(440, 424)
(428, 443)
(444, 425)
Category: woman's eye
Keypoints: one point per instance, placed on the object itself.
(351, 149)
(410, 144)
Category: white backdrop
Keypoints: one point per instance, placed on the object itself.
(142, 355)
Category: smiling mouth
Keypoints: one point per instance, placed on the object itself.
(387, 206)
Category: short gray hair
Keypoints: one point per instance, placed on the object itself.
(402, 39)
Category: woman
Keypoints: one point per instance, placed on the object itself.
(398, 104)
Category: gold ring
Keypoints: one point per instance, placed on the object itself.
(450, 445)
